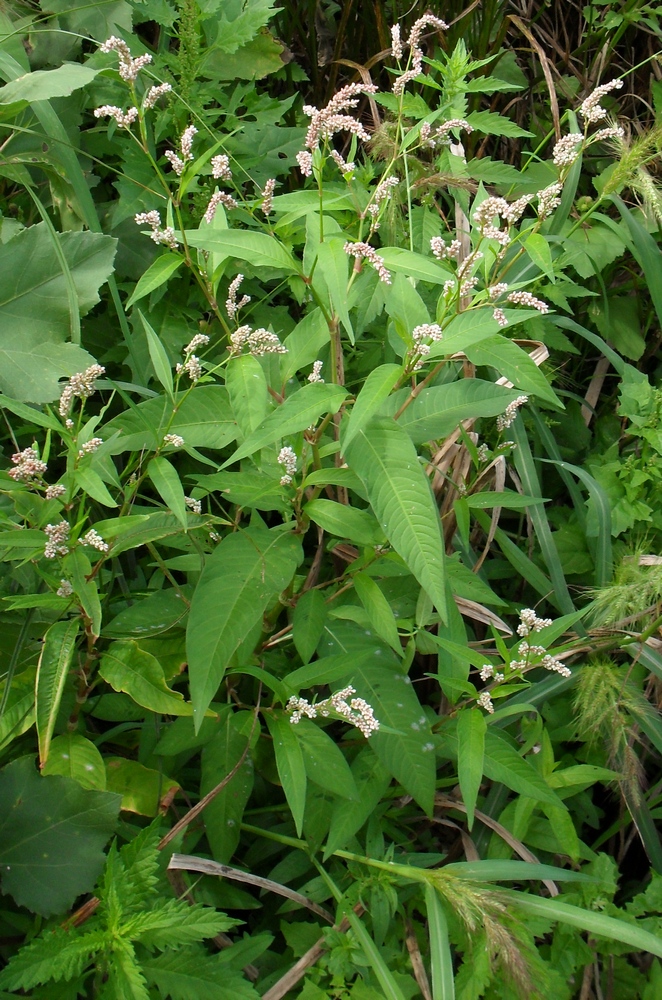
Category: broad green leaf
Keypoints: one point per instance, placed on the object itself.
(472, 327)
(324, 761)
(304, 344)
(441, 959)
(439, 409)
(540, 253)
(502, 763)
(372, 779)
(246, 489)
(30, 413)
(240, 579)
(510, 500)
(184, 975)
(54, 664)
(159, 357)
(374, 391)
(385, 459)
(414, 265)
(76, 757)
(510, 360)
(151, 616)
(127, 667)
(42, 85)
(143, 790)
(405, 307)
(167, 483)
(42, 818)
(471, 729)
(379, 610)
(332, 476)
(248, 391)
(30, 367)
(224, 813)
(297, 412)
(333, 265)
(345, 522)
(290, 764)
(150, 528)
(21, 539)
(91, 483)
(596, 924)
(203, 418)
(308, 623)
(259, 249)
(78, 569)
(156, 275)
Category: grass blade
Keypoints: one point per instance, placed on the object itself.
(441, 959)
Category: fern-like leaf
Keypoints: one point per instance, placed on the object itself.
(175, 924)
(193, 975)
(57, 955)
(125, 978)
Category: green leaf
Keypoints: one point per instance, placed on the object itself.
(248, 391)
(374, 957)
(540, 253)
(323, 760)
(259, 249)
(471, 729)
(184, 975)
(241, 578)
(42, 85)
(308, 623)
(374, 391)
(157, 613)
(510, 360)
(290, 765)
(332, 265)
(345, 522)
(35, 306)
(414, 265)
(502, 763)
(54, 664)
(224, 813)
(156, 275)
(304, 344)
(127, 667)
(91, 483)
(590, 921)
(42, 819)
(491, 123)
(246, 489)
(441, 960)
(142, 788)
(299, 411)
(385, 459)
(510, 500)
(439, 409)
(30, 413)
(78, 568)
(379, 610)
(371, 778)
(203, 417)
(167, 483)
(159, 357)
(76, 757)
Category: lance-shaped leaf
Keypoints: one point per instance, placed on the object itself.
(383, 456)
(169, 487)
(471, 729)
(128, 668)
(290, 765)
(376, 388)
(54, 663)
(294, 415)
(259, 249)
(224, 813)
(244, 574)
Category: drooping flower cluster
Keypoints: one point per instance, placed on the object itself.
(549, 198)
(128, 67)
(124, 119)
(507, 418)
(94, 540)
(421, 335)
(443, 130)
(28, 466)
(232, 307)
(566, 149)
(80, 385)
(65, 589)
(356, 711)
(55, 492)
(174, 440)
(153, 220)
(315, 375)
(445, 251)
(416, 53)
(529, 622)
(190, 366)
(527, 299)
(325, 122)
(381, 193)
(268, 196)
(193, 505)
(154, 93)
(259, 342)
(485, 701)
(58, 540)
(220, 167)
(363, 251)
(288, 459)
(218, 198)
(590, 109)
(90, 446)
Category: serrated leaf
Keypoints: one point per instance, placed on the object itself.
(290, 765)
(54, 664)
(156, 275)
(128, 668)
(196, 976)
(167, 483)
(471, 729)
(491, 123)
(386, 461)
(75, 757)
(297, 412)
(241, 577)
(42, 818)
